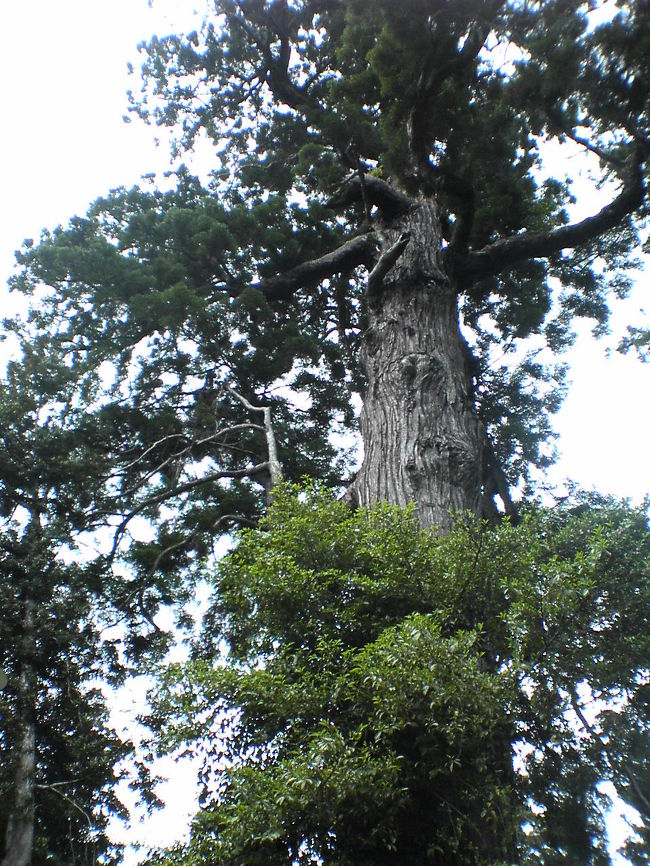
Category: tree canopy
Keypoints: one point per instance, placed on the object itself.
(338, 127)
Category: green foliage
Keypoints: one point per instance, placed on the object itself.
(362, 687)
(54, 602)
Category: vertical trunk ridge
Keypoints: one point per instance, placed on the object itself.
(423, 442)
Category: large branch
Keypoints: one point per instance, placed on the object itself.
(361, 250)
(432, 79)
(503, 254)
(390, 201)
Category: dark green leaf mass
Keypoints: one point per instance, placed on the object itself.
(366, 692)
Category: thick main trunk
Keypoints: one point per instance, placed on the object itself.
(423, 442)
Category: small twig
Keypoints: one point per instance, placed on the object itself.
(213, 439)
(593, 148)
(354, 153)
(185, 542)
(175, 491)
(148, 450)
(631, 777)
(145, 614)
(65, 797)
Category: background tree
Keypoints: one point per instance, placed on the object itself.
(59, 756)
(79, 596)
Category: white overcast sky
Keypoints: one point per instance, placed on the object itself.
(64, 79)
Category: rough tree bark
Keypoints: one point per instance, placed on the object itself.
(423, 442)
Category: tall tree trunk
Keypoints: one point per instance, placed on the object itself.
(423, 442)
(19, 840)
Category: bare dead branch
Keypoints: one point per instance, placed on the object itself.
(275, 469)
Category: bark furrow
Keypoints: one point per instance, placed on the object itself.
(423, 441)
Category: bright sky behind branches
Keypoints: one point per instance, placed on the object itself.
(64, 78)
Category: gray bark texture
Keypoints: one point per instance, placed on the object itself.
(20, 827)
(19, 839)
(423, 441)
